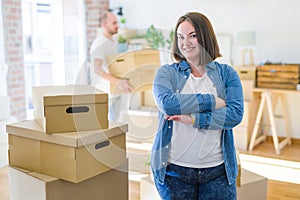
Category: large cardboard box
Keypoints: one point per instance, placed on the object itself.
(142, 123)
(253, 186)
(238, 178)
(138, 66)
(246, 73)
(139, 157)
(121, 64)
(73, 156)
(243, 131)
(29, 185)
(248, 86)
(70, 108)
(4, 141)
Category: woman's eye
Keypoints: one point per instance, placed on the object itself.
(180, 37)
(193, 36)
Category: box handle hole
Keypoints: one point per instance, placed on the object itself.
(77, 109)
(102, 144)
(120, 60)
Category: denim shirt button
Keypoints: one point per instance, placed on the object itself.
(177, 91)
(169, 126)
(167, 147)
(163, 163)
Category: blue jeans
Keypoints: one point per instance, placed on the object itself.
(184, 183)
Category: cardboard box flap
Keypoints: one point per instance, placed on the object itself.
(139, 52)
(39, 176)
(75, 100)
(71, 94)
(248, 177)
(43, 177)
(31, 129)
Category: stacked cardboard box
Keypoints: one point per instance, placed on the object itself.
(70, 108)
(138, 66)
(68, 159)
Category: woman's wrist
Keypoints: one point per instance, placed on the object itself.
(193, 119)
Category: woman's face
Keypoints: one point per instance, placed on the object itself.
(188, 42)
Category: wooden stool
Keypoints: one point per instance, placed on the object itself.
(266, 100)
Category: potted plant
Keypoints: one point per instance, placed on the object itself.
(156, 39)
(122, 44)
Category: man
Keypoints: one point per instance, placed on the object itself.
(103, 46)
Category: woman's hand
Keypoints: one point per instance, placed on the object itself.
(185, 119)
(220, 103)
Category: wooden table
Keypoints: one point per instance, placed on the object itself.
(270, 103)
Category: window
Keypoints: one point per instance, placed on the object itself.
(53, 36)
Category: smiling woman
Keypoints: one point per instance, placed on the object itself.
(200, 101)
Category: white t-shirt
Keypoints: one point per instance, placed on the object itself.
(101, 48)
(191, 147)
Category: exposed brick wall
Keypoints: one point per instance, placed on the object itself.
(12, 21)
(94, 9)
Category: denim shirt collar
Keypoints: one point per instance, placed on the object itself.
(184, 65)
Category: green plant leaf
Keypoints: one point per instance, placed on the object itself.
(155, 38)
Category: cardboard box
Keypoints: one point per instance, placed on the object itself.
(142, 124)
(243, 131)
(238, 178)
(70, 108)
(138, 66)
(148, 189)
(147, 98)
(246, 73)
(139, 157)
(4, 141)
(28, 185)
(140, 79)
(253, 186)
(73, 156)
(248, 86)
(121, 64)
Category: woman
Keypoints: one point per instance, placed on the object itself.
(200, 101)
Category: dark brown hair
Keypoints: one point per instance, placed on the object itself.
(205, 35)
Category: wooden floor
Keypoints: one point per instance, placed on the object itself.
(276, 190)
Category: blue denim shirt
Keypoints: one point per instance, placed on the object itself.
(167, 86)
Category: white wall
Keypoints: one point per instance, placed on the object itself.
(276, 23)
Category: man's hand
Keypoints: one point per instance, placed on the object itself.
(124, 85)
(186, 119)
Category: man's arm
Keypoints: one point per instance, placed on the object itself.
(123, 84)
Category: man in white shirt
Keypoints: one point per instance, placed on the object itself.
(104, 45)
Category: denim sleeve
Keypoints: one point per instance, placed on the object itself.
(168, 99)
(229, 116)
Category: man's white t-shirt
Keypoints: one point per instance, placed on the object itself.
(100, 49)
(192, 147)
